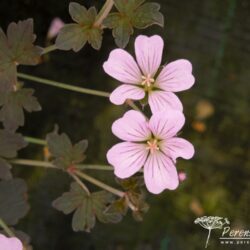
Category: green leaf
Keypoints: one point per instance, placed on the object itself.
(147, 15)
(13, 105)
(13, 200)
(95, 38)
(71, 36)
(75, 35)
(63, 152)
(121, 28)
(5, 167)
(81, 15)
(9, 145)
(17, 48)
(125, 6)
(132, 14)
(86, 207)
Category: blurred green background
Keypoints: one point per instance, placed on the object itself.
(215, 36)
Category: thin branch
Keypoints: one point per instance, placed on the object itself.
(49, 49)
(35, 140)
(4, 226)
(63, 85)
(95, 167)
(44, 164)
(82, 185)
(33, 163)
(100, 184)
(103, 13)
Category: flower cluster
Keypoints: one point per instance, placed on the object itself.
(152, 143)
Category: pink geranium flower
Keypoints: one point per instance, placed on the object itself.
(152, 144)
(10, 243)
(146, 78)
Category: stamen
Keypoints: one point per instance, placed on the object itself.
(147, 80)
(153, 145)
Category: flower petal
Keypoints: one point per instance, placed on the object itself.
(176, 76)
(126, 91)
(160, 173)
(122, 66)
(127, 158)
(177, 147)
(10, 243)
(4, 242)
(148, 52)
(161, 100)
(15, 244)
(166, 124)
(133, 126)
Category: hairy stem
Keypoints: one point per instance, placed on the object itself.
(49, 49)
(103, 13)
(6, 228)
(63, 85)
(100, 184)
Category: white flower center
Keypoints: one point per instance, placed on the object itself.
(152, 145)
(147, 80)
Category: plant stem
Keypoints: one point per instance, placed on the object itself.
(33, 163)
(49, 49)
(45, 164)
(82, 185)
(63, 85)
(96, 167)
(77, 173)
(100, 184)
(6, 228)
(103, 13)
(35, 141)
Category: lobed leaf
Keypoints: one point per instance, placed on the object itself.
(13, 200)
(63, 152)
(5, 167)
(9, 145)
(132, 14)
(75, 35)
(13, 105)
(147, 15)
(17, 48)
(86, 207)
(121, 28)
